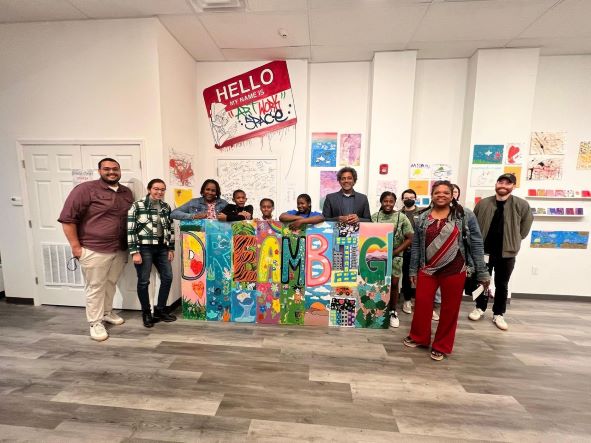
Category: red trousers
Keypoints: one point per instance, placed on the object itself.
(452, 289)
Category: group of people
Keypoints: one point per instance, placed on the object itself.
(434, 249)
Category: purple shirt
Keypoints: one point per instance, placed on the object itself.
(100, 215)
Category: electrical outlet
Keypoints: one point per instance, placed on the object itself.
(534, 270)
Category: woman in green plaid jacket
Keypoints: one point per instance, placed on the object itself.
(150, 237)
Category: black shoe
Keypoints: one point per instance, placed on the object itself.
(161, 314)
(147, 319)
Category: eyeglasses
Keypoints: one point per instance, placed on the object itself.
(110, 169)
(159, 189)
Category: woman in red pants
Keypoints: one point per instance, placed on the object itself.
(446, 246)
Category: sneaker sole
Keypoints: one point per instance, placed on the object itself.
(99, 338)
(116, 323)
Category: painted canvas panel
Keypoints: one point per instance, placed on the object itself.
(293, 273)
(419, 171)
(514, 153)
(547, 143)
(328, 185)
(345, 255)
(268, 272)
(545, 168)
(516, 171)
(342, 311)
(319, 240)
(375, 270)
(182, 196)
(324, 150)
(560, 239)
(219, 270)
(487, 154)
(441, 171)
(584, 158)
(193, 277)
(484, 176)
(350, 150)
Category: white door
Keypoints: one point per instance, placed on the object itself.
(48, 170)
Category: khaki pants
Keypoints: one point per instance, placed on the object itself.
(101, 272)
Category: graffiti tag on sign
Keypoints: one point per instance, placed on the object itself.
(250, 104)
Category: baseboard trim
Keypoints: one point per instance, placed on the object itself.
(558, 297)
(20, 301)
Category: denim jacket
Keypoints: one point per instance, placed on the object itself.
(474, 261)
(196, 206)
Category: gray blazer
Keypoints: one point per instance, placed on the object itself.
(333, 206)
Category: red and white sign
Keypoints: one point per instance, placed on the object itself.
(250, 104)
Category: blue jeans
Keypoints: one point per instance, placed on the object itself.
(156, 255)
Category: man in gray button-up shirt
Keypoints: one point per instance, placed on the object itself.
(346, 205)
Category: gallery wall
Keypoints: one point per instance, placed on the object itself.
(128, 79)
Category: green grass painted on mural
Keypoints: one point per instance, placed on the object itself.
(193, 311)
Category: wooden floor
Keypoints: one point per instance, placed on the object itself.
(197, 381)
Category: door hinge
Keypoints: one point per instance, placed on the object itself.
(36, 280)
(23, 163)
(30, 224)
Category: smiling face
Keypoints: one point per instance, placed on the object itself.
(441, 196)
(157, 191)
(347, 182)
(504, 187)
(240, 199)
(267, 209)
(209, 193)
(303, 205)
(388, 203)
(110, 172)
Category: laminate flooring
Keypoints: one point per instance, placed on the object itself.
(204, 381)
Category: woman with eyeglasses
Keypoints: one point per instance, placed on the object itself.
(150, 237)
(446, 246)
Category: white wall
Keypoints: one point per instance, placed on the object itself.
(562, 97)
(438, 112)
(339, 102)
(91, 80)
(290, 146)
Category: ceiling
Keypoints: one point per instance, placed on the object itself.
(338, 30)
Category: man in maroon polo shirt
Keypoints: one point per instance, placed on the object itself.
(94, 219)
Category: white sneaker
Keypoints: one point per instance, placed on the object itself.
(98, 332)
(394, 320)
(476, 314)
(113, 318)
(407, 307)
(500, 322)
(435, 316)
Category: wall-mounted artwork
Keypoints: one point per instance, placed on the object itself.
(419, 171)
(547, 143)
(258, 177)
(514, 153)
(421, 187)
(328, 185)
(559, 239)
(182, 196)
(329, 274)
(385, 185)
(350, 150)
(545, 168)
(441, 171)
(487, 154)
(250, 105)
(516, 171)
(180, 166)
(584, 158)
(484, 176)
(324, 150)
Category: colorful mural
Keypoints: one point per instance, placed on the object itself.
(330, 274)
